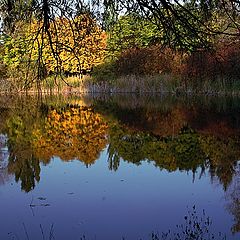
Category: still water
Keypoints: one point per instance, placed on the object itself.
(119, 167)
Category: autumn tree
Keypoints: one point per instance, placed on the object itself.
(190, 25)
(75, 47)
(79, 44)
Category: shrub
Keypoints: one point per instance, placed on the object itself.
(149, 61)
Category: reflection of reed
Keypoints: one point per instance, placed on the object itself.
(161, 101)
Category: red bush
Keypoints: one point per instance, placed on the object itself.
(148, 61)
(224, 62)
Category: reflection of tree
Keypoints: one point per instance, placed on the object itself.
(233, 197)
(19, 127)
(168, 116)
(158, 132)
(26, 169)
(38, 132)
(179, 152)
(187, 150)
(223, 154)
(71, 133)
(172, 138)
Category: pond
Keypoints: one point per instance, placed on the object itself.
(119, 167)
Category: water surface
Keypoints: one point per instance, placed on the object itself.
(118, 167)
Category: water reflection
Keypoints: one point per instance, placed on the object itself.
(183, 135)
(173, 134)
(4, 156)
(71, 133)
(233, 199)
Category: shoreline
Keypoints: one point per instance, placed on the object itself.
(164, 84)
(110, 93)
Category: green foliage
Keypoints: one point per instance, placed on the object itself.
(131, 31)
(22, 162)
(185, 32)
(19, 58)
(105, 72)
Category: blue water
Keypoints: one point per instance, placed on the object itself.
(73, 200)
(98, 203)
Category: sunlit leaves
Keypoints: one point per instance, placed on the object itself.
(76, 45)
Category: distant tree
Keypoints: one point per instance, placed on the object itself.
(190, 24)
(79, 43)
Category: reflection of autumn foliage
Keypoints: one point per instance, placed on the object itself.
(168, 118)
(169, 123)
(37, 134)
(185, 150)
(176, 136)
(71, 133)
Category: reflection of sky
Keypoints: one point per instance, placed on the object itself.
(132, 202)
(4, 155)
(3, 151)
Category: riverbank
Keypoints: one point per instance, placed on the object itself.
(151, 84)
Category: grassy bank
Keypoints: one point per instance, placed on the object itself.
(150, 84)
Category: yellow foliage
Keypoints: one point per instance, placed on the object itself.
(79, 43)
